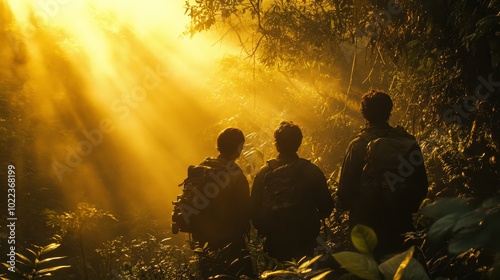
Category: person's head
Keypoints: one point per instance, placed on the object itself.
(376, 106)
(230, 142)
(287, 138)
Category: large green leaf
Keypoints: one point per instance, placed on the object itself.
(470, 238)
(411, 270)
(446, 206)
(442, 227)
(491, 202)
(359, 264)
(470, 220)
(364, 239)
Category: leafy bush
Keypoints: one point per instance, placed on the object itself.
(363, 264)
(39, 266)
(467, 227)
(145, 258)
(298, 270)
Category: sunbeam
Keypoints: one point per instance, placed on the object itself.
(115, 89)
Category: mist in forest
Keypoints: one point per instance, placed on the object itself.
(108, 103)
(105, 104)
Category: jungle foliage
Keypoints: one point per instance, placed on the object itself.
(439, 59)
(440, 62)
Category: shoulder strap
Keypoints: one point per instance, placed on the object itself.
(394, 132)
(212, 162)
(370, 136)
(297, 164)
(273, 164)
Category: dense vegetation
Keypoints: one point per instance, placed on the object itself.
(438, 59)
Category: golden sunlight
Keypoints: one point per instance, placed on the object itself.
(117, 91)
(118, 102)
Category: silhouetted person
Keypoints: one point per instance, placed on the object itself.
(289, 197)
(222, 224)
(383, 187)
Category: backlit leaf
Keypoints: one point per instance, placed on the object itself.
(364, 239)
(358, 264)
(403, 266)
(49, 248)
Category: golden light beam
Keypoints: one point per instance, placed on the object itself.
(118, 93)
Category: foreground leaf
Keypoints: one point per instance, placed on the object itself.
(396, 268)
(321, 276)
(446, 206)
(23, 260)
(307, 263)
(52, 259)
(470, 238)
(267, 274)
(364, 239)
(50, 269)
(49, 248)
(443, 227)
(358, 264)
(406, 260)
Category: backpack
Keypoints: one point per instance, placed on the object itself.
(281, 189)
(392, 156)
(285, 210)
(190, 207)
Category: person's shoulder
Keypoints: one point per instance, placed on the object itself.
(268, 166)
(311, 167)
(399, 131)
(359, 141)
(210, 161)
(218, 162)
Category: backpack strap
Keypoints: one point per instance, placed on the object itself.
(274, 164)
(394, 132)
(368, 136)
(213, 162)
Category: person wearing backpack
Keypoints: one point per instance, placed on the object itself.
(289, 197)
(215, 209)
(383, 179)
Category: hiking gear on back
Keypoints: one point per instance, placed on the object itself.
(285, 206)
(191, 206)
(281, 190)
(392, 157)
